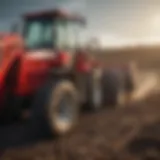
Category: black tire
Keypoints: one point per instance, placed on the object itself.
(94, 91)
(46, 108)
(113, 88)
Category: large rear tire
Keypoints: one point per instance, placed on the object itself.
(56, 107)
(113, 88)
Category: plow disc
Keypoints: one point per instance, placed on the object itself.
(146, 83)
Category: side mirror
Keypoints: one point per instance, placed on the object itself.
(14, 28)
(17, 27)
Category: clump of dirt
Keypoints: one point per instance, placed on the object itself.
(147, 143)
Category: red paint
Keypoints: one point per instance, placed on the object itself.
(83, 63)
(33, 74)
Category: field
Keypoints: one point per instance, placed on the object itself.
(131, 133)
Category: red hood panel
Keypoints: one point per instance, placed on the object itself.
(34, 71)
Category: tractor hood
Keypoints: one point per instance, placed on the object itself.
(35, 68)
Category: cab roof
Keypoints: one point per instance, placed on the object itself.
(55, 13)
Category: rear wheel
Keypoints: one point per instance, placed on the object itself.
(59, 110)
(113, 88)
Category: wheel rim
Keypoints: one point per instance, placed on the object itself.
(64, 116)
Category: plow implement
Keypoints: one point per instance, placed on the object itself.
(146, 84)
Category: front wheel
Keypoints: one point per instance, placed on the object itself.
(63, 108)
(59, 108)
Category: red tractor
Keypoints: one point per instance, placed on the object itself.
(46, 76)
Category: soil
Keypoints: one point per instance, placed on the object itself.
(130, 133)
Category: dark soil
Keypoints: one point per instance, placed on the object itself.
(129, 133)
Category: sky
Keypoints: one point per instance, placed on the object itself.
(113, 22)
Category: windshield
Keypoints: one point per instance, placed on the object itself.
(70, 34)
(61, 34)
(38, 34)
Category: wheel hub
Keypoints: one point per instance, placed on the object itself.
(64, 116)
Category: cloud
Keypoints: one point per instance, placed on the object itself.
(115, 22)
(74, 5)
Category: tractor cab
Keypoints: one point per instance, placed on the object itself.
(55, 29)
(43, 62)
(50, 42)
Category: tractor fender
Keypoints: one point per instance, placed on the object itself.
(8, 72)
(7, 64)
